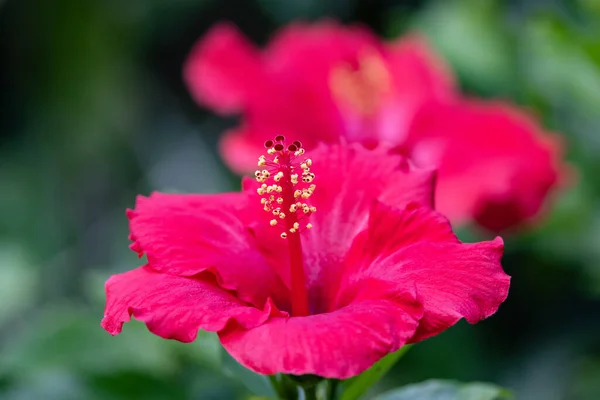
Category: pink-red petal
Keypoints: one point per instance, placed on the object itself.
(223, 69)
(348, 179)
(418, 72)
(418, 76)
(415, 247)
(240, 149)
(185, 235)
(495, 164)
(337, 345)
(176, 307)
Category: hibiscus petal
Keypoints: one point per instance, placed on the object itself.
(418, 72)
(187, 234)
(495, 163)
(240, 150)
(385, 235)
(338, 345)
(175, 307)
(343, 203)
(415, 247)
(418, 76)
(223, 69)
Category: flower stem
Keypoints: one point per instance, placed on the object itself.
(332, 385)
(285, 389)
(310, 393)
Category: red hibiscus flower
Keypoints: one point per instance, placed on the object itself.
(323, 265)
(323, 81)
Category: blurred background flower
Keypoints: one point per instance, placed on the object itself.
(94, 110)
(323, 82)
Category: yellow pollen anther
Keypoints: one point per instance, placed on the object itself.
(285, 184)
(308, 226)
(364, 89)
(313, 209)
(307, 176)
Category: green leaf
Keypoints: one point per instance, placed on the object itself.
(71, 339)
(447, 390)
(258, 384)
(18, 282)
(471, 37)
(355, 387)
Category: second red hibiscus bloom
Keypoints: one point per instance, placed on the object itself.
(322, 82)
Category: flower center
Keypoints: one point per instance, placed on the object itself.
(361, 88)
(285, 189)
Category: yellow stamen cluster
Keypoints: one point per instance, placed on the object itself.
(279, 174)
(263, 175)
(363, 89)
(305, 208)
(264, 188)
(299, 152)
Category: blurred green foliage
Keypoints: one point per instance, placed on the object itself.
(93, 111)
(446, 390)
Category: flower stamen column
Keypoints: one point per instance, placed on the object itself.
(286, 185)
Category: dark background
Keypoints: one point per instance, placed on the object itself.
(93, 110)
